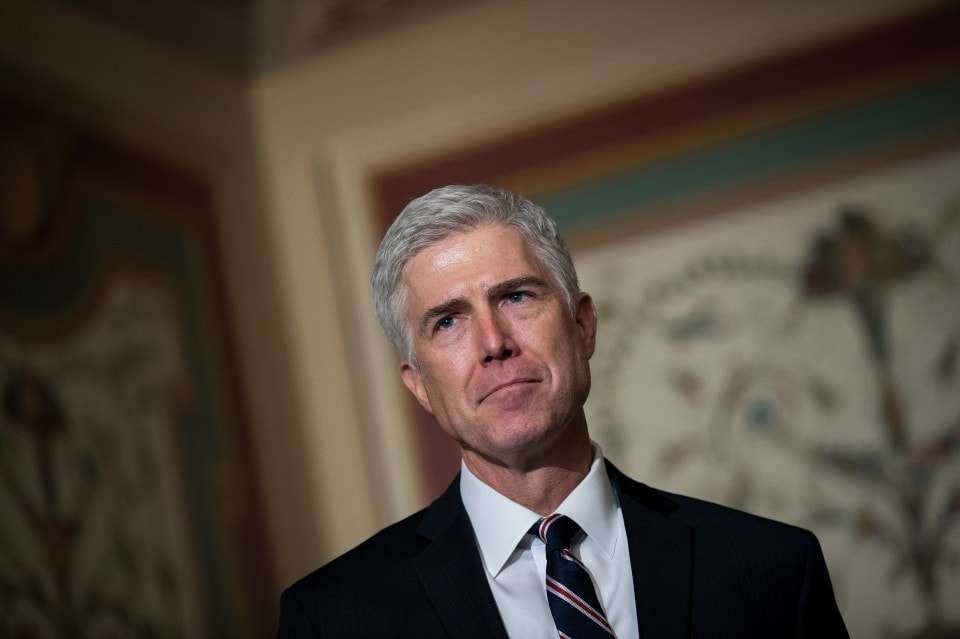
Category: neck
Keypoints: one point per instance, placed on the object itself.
(539, 484)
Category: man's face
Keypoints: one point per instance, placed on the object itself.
(501, 363)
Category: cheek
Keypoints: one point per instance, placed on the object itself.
(447, 381)
(572, 362)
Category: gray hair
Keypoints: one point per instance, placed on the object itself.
(442, 212)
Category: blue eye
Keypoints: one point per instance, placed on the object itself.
(516, 297)
(444, 323)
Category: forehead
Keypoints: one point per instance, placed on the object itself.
(466, 262)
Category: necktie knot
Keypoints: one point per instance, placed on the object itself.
(557, 531)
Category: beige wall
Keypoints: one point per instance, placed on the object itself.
(288, 153)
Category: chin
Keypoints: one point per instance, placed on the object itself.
(524, 437)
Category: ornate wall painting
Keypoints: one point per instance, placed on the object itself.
(97, 540)
(775, 254)
(798, 360)
(125, 484)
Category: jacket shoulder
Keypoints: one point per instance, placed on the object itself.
(361, 592)
(714, 520)
(382, 552)
(728, 541)
(736, 552)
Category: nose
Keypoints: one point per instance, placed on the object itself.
(496, 342)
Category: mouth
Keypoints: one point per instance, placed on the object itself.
(513, 382)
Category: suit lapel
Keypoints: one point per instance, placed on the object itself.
(452, 573)
(661, 558)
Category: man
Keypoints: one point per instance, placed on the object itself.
(538, 536)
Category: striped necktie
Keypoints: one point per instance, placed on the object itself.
(573, 602)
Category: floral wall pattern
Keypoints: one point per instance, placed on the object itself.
(128, 501)
(94, 543)
(799, 360)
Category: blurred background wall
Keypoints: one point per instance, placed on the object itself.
(193, 193)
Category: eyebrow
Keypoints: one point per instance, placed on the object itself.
(441, 310)
(459, 303)
(507, 286)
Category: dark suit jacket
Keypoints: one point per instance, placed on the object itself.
(699, 570)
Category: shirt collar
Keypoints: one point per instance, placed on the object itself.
(500, 523)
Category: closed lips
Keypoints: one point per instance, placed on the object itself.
(513, 382)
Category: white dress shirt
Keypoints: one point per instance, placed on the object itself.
(516, 564)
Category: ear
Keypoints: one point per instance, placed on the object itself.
(414, 383)
(586, 318)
